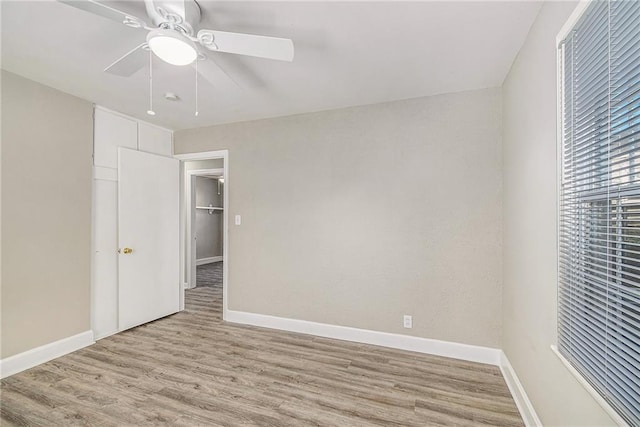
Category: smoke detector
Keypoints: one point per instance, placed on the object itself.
(170, 96)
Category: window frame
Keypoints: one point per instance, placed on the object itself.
(569, 25)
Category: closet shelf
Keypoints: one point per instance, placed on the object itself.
(210, 208)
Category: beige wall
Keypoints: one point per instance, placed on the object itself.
(46, 214)
(357, 216)
(530, 238)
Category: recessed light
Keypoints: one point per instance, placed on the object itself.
(151, 112)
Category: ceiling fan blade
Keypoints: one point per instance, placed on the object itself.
(216, 76)
(105, 11)
(247, 44)
(130, 62)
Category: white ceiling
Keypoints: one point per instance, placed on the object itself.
(347, 53)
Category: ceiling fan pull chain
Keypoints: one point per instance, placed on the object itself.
(150, 110)
(197, 59)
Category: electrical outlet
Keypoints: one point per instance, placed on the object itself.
(408, 321)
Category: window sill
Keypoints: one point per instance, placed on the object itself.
(592, 391)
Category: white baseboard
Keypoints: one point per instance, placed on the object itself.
(209, 260)
(403, 342)
(105, 335)
(28, 359)
(523, 403)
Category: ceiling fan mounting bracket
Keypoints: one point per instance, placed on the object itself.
(183, 16)
(207, 39)
(181, 28)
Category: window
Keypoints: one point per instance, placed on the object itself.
(599, 223)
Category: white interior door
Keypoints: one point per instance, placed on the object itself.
(148, 224)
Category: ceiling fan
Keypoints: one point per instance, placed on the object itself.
(174, 37)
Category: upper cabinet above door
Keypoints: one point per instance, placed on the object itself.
(110, 132)
(113, 130)
(155, 140)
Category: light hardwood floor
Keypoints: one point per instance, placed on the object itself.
(193, 369)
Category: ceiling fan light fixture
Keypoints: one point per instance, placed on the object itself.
(171, 46)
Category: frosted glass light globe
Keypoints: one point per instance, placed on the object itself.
(172, 47)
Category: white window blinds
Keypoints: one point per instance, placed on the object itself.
(599, 224)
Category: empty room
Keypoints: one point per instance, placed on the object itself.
(322, 213)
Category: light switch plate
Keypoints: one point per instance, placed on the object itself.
(408, 321)
(238, 220)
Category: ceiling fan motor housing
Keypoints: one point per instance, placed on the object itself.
(183, 15)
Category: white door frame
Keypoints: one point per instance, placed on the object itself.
(189, 214)
(207, 155)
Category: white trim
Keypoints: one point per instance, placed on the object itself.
(527, 411)
(592, 391)
(104, 173)
(572, 20)
(183, 237)
(209, 260)
(204, 155)
(36, 356)
(224, 155)
(106, 334)
(384, 339)
(206, 172)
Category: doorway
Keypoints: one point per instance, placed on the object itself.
(205, 229)
(204, 224)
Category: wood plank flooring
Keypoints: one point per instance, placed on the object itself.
(192, 369)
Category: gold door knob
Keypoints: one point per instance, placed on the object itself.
(127, 250)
